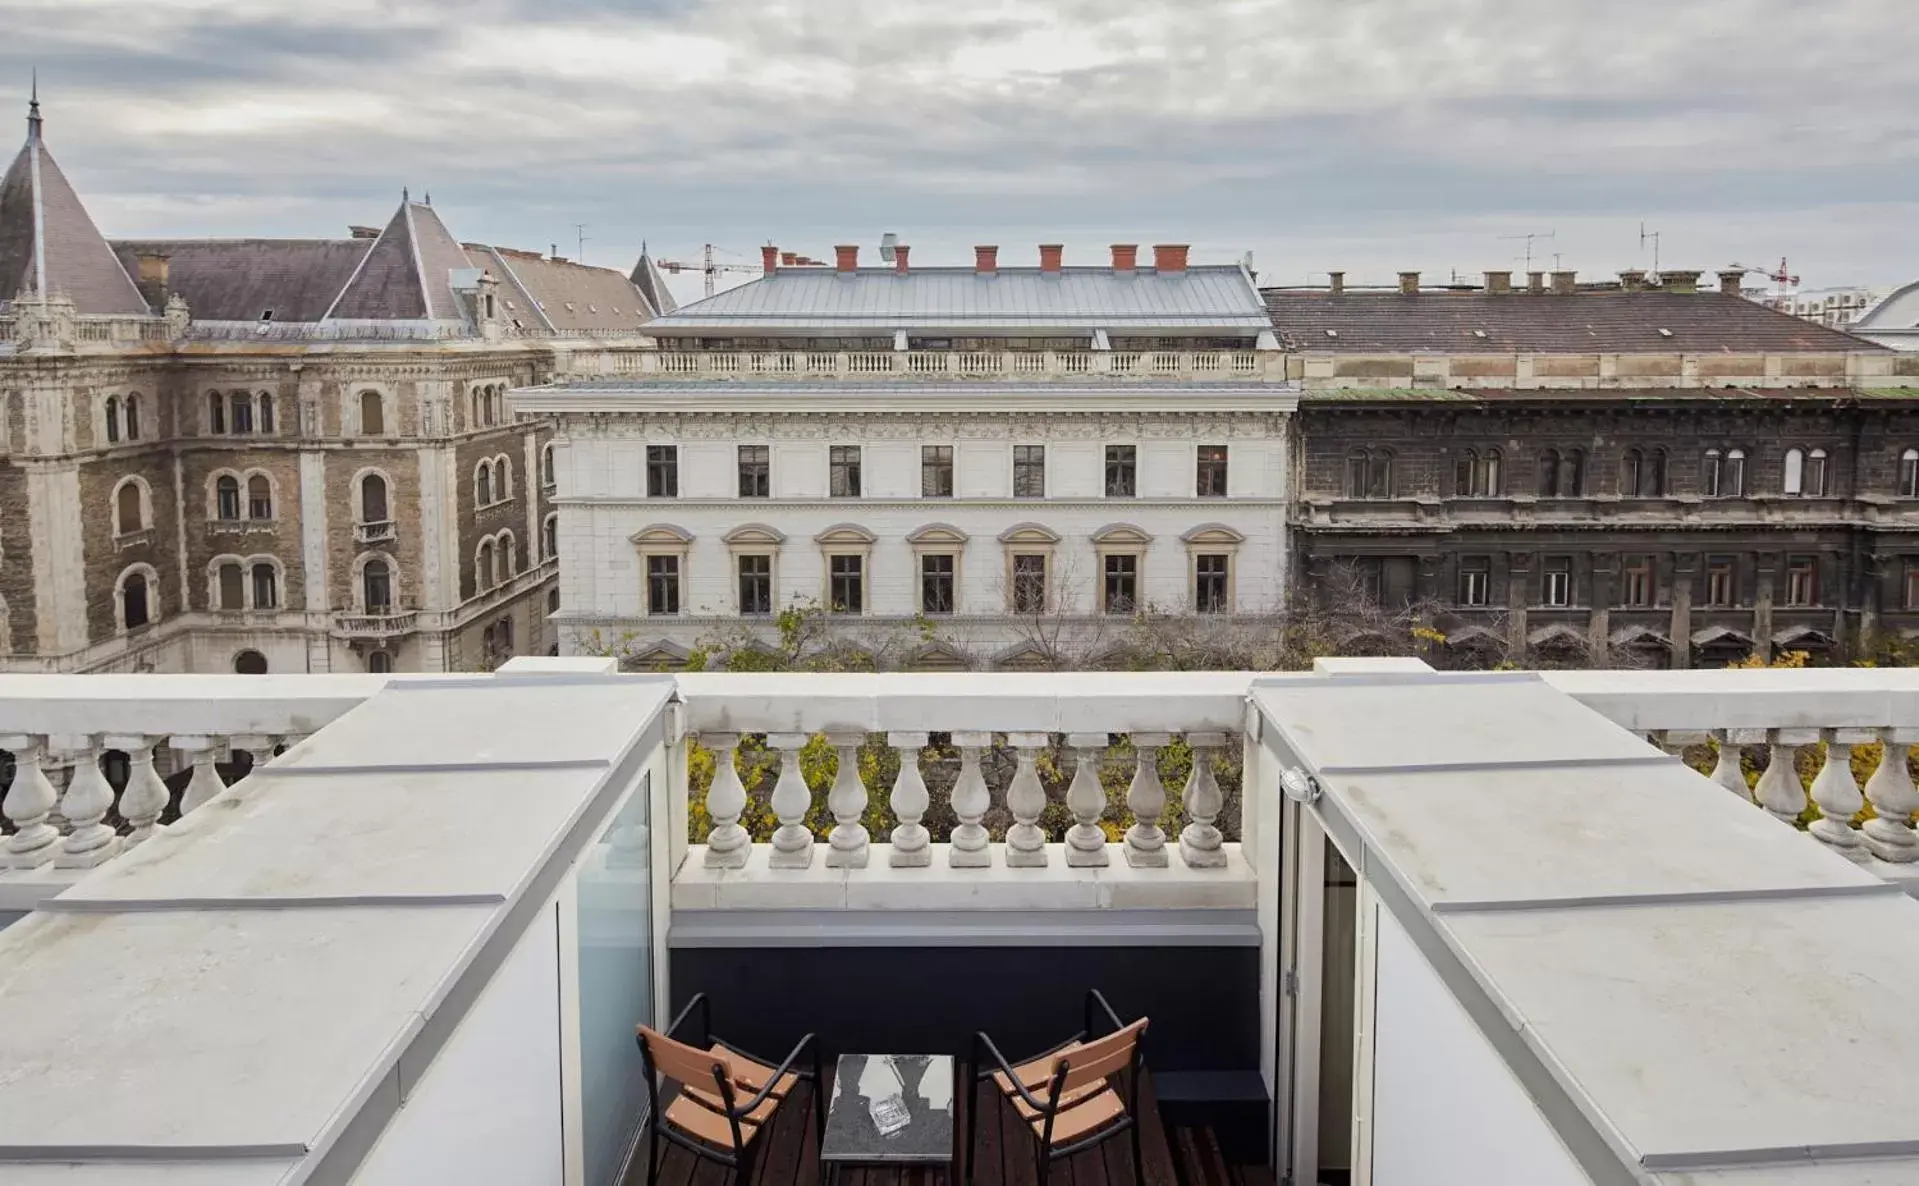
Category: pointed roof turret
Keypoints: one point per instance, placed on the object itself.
(646, 277)
(406, 274)
(48, 244)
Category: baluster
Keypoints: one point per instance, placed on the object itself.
(1026, 799)
(1889, 833)
(1145, 842)
(88, 799)
(30, 800)
(792, 843)
(1086, 799)
(1199, 840)
(1837, 793)
(1727, 771)
(203, 751)
(1778, 789)
(259, 747)
(727, 843)
(145, 796)
(847, 844)
(970, 803)
(912, 846)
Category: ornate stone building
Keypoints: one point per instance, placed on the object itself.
(279, 455)
(1003, 464)
(1648, 474)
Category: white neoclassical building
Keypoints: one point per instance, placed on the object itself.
(977, 465)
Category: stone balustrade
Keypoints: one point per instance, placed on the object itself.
(1834, 742)
(1185, 365)
(993, 737)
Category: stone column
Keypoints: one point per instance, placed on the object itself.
(1685, 566)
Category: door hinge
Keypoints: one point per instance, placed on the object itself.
(1289, 983)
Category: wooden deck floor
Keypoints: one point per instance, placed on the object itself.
(788, 1156)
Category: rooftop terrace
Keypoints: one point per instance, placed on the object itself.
(1600, 927)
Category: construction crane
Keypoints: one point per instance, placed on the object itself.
(1782, 278)
(706, 267)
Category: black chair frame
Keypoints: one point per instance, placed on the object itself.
(736, 1159)
(1096, 1010)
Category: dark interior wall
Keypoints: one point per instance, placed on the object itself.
(1203, 1001)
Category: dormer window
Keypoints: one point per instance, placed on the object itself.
(1332, 333)
(1480, 334)
(1664, 332)
(592, 308)
(266, 315)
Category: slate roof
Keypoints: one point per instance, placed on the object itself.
(239, 279)
(560, 294)
(1574, 323)
(79, 264)
(1204, 299)
(646, 277)
(1601, 395)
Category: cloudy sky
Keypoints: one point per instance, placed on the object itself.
(1369, 135)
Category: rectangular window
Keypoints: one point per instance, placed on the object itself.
(1212, 592)
(1722, 582)
(1212, 472)
(1122, 469)
(1912, 584)
(1029, 471)
(231, 586)
(662, 471)
(1556, 582)
(1802, 580)
(936, 471)
(242, 414)
(266, 587)
(1635, 586)
(936, 584)
(756, 471)
(1029, 584)
(1908, 473)
(662, 584)
(756, 585)
(1711, 474)
(1475, 580)
(847, 583)
(845, 471)
(1121, 593)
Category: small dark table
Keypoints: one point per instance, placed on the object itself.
(924, 1081)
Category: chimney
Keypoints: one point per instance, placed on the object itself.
(1499, 282)
(1169, 257)
(1409, 283)
(1731, 280)
(986, 259)
(1633, 279)
(1565, 283)
(1125, 257)
(364, 232)
(1679, 281)
(847, 255)
(1339, 282)
(152, 279)
(899, 257)
(769, 260)
(1535, 282)
(1049, 254)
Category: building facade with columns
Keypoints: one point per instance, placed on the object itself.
(278, 455)
(958, 466)
(1642, 473)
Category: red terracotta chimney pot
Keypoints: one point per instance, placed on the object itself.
(1049, 256)
(769, 259)
(986, 259)
(848, 256)
(1169, 257)
(1125, 257)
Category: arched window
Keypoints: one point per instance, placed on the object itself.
(259, 497)
(135, 611)
(1734, 485)
(372, 414)
(232, 586)
(547, 477)
(508, 550)
(376, 586)
(550, 537)
(1642, 474)
(1712, 473)
(483, 485)
(1477, 474)
(1816, 473)
(129, 509)
(473, 418)
(373, 499)
(503, 634)
(226, 493)
(483, 567)
(266, 586)
(133, 415)
(249, 663)
(1369, 473)
(113, 420)
(503, 478)
(379, 662)
(1909, 474)
(496, 405)
(1793, 480)
(266, 412)
(1572, 474)
(240, 413)
(216, 413)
